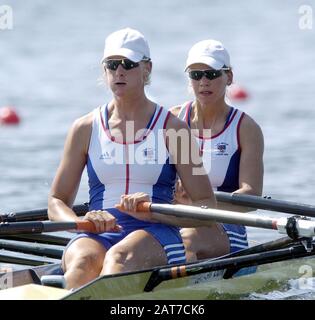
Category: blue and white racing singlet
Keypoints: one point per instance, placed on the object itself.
(221, 152)
(116, 168)
(221, 157)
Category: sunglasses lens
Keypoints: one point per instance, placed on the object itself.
(196, 74)
(112, 64)
(212, 74)
(126, 64)
(209, 74)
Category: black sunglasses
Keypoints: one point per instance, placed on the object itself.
(126, 64)
(209, 74)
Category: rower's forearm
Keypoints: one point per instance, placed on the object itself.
(59, 211)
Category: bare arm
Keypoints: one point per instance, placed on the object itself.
(68, 176)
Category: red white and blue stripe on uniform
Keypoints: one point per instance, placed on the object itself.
(221, 157)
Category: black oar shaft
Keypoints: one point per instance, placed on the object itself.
(8, 228)
(263, 247)
(252, 259)
(32, 248)
(22, 258)
(266, 203)
(39, 214)
(34, 227)
(41, 238)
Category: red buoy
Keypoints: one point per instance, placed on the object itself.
(8, 116)
(236, 92)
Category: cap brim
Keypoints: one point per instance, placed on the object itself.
(124, 52)
(209, 61)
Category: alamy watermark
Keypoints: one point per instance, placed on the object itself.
(6, 17)
(180, 146)
(306, 17)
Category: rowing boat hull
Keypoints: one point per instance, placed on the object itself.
(208, 285)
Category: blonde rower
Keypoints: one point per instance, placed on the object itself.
(128, 160)
(230, 141)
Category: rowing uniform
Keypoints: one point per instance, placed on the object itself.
(221, 157)
(116, 168)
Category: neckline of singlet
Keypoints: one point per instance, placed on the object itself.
(150, 125)
(228, 120)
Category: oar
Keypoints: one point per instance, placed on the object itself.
(169, 273)
(266, 246)
(8, 228)
(292, 226)
(32, 248)
(41, 238)
(266, 203)
(263, 247)
(38, 214)
(25, 259)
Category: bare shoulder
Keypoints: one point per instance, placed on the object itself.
(83, 123)
(80, 132)
(250, 133)
(249, 126)
(175, 110)
(81, 129)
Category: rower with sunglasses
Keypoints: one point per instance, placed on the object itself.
(231, 144)
(122, 144)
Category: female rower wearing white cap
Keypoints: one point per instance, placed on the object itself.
(122, 144)
(231, 144)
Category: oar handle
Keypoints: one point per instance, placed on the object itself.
(143, 206)
(89, 226)
(85, 225)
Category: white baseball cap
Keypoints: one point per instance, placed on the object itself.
(128, 43)
(209, 52)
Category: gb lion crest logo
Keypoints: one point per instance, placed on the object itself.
(221, 148)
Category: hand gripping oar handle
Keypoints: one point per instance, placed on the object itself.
(85, 225)
(45, 226)
(144, 206)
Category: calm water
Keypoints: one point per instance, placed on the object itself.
(49, 71)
